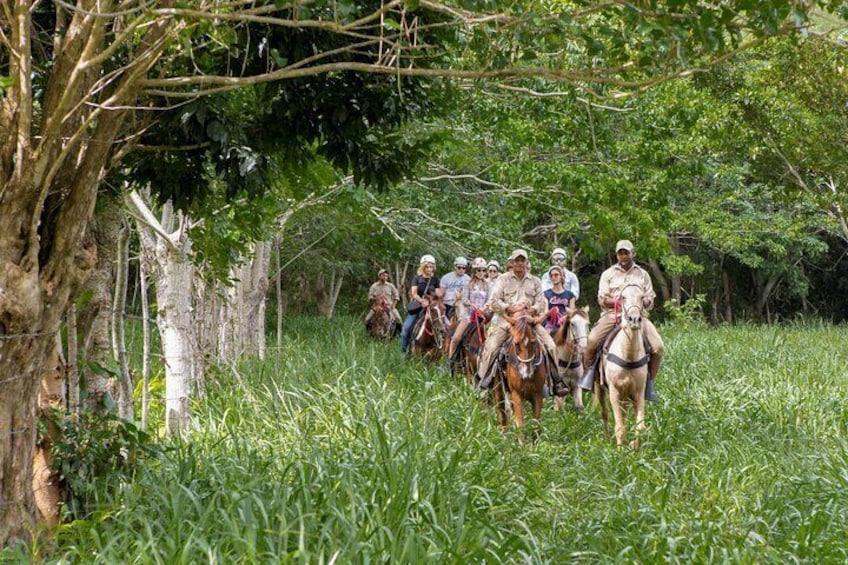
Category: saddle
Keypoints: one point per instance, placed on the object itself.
(615, 359)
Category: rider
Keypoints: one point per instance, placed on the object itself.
(474, 295)
(569, 281)
(383, 288)
(517, 292)
(494, 271)
(558, 297)
(624, 273)
(453, 283)
(424, 286)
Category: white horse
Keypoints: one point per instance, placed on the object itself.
(624, 368)
(570, 340)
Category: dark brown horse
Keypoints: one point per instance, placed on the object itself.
(428, 334)
(382, 324)
(471, 345)
(523, 378)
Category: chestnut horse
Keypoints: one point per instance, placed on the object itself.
(624, 367)
(382, 323)
(471, 345)
(428, 334)
(524, 376)
(570, 338)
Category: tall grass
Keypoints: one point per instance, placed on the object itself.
(334, 450)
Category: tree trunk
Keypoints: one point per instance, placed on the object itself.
(124, 385)
(96, 314)
(328, 294)
(659, 276)
(727, 297)
(243, 324)
(168, 243)
(51, 407)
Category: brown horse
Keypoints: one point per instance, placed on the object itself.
(524, 376)
(428, 334)
(382, 324)
(624, 368)
(472, 345)
(570, 338)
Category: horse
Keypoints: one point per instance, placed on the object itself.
(471, 346)
(570, 338)
(382, 325)
(624, 367)
(428, 334)
(524, 376)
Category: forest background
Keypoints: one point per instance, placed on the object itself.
(252, 162)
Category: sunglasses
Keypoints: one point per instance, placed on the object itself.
(480, 270)
(494, 271)
(460, 267)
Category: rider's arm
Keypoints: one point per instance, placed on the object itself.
(605, 299)
(496, 298)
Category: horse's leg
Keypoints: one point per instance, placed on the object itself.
(538, 399)
(639, 403)
(518, 412)
(577, 392)
(618, 414)
(600, 397)
(500, 404)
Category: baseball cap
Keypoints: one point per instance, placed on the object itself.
(624, 244)
(460, 262)
(427, 259)
(518, 253)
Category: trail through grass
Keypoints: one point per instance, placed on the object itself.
(335, 451)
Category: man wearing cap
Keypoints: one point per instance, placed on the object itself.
(517, 292)
(454, 283)
(625, 272)
(383, 288)
(570, 281)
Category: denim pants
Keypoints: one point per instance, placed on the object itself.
(407, 329)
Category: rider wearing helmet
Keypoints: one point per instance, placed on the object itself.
(474, 296)
(494, 271)
(569, 279)
(424, 285)
(454, 283)
(558, 297)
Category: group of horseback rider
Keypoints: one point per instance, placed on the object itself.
(517, 292)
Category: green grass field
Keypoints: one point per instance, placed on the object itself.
(334, 451)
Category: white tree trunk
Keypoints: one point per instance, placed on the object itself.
(328, 294)
(174, 281)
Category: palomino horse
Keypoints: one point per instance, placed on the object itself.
(382, 323)
(570, 338)
(524, 376)
(471, 345)
(624, 367)
(428, 333)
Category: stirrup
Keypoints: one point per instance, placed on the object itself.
(587, 381)
(650, 392)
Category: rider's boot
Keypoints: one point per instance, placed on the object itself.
(587, 381)
(653, 369)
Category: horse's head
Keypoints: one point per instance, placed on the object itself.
(578, 320)
(522, 332)
(435, 312)
(631, 306)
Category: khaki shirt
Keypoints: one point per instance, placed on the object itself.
(615, 278)
(386, 289)
(509, 291)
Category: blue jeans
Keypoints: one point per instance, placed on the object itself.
(407, 329)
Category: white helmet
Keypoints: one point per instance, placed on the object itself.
(478, 263)
(460, 262)
(427, 259)
(495, 264)
(559, 251)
